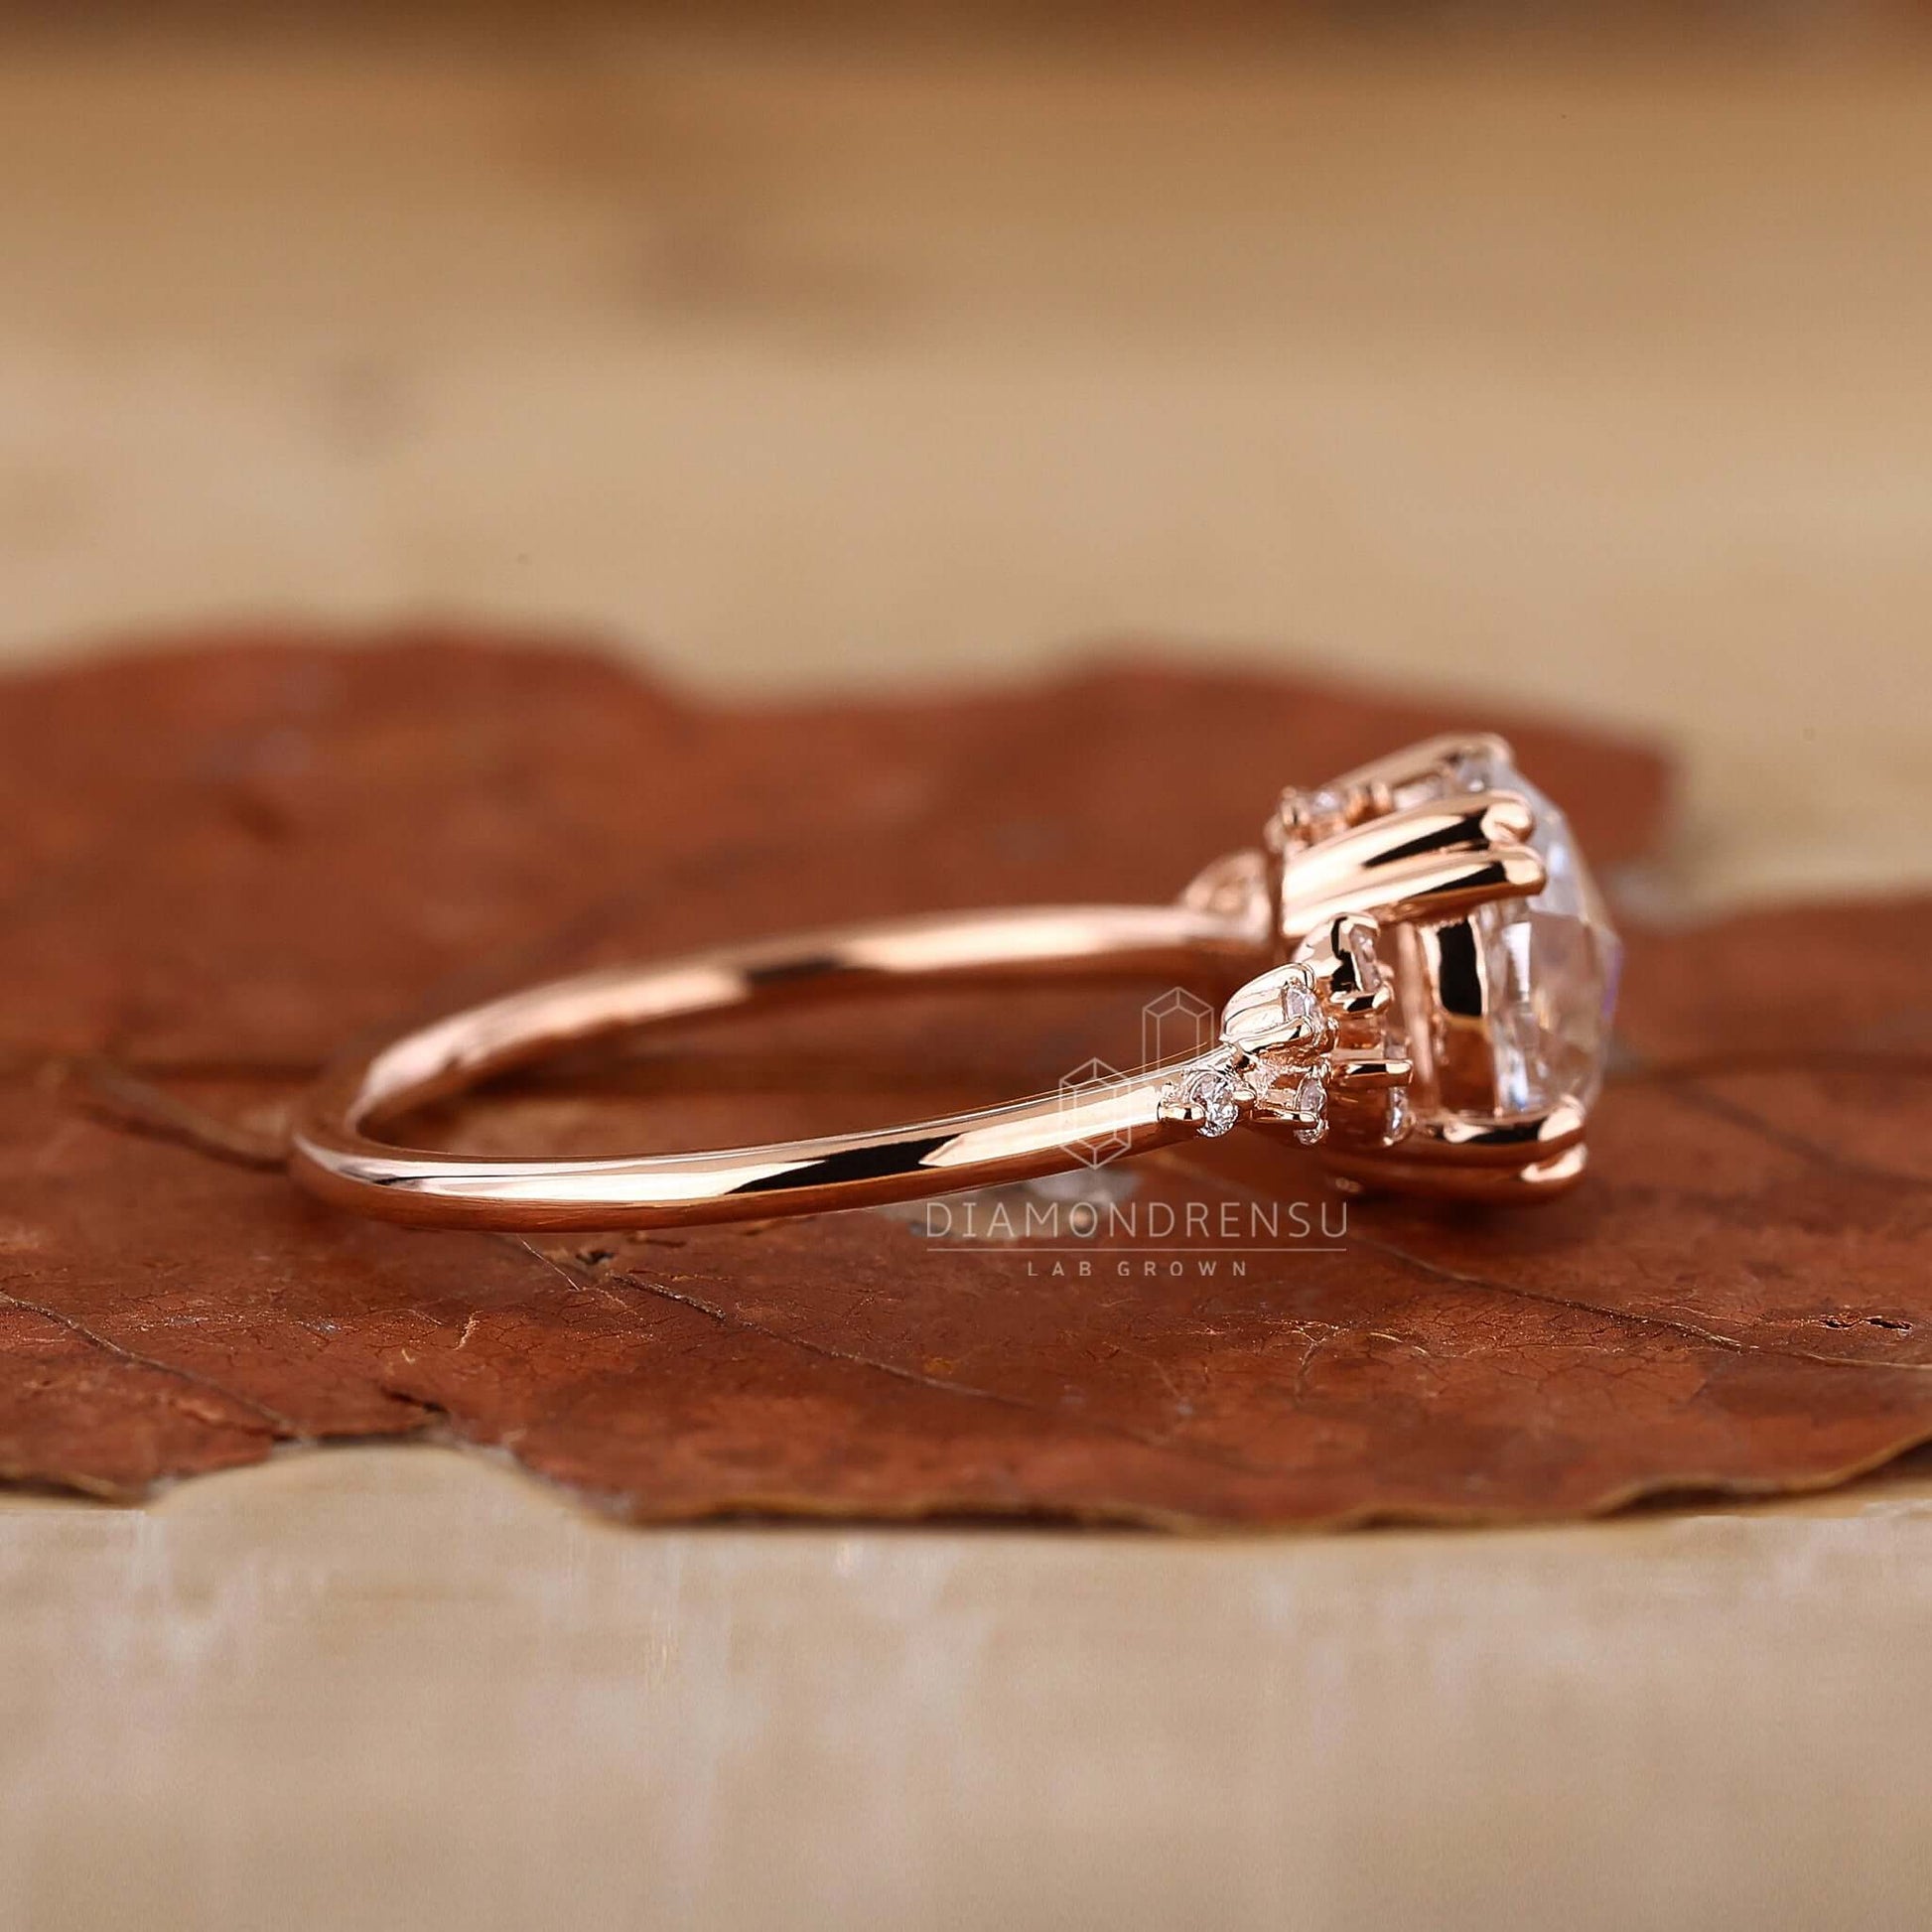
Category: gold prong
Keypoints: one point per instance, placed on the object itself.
(1416, 763)
(1474, 821)
(1472, 1141)
(1345, 966)
(1428, 861)
(1428, 887)
(1282, 1008)
(1352, 1004)
(1383, 1172)
(1362, 1070)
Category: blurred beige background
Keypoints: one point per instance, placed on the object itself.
(1589, 367)
(1591, 372)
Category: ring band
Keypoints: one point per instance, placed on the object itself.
(336, 1160)
(1434, 1014)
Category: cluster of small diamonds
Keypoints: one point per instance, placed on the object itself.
(1269, 1062)
(1294, 1093)
(1307, 817)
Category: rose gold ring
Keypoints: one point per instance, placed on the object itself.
(1432, 975)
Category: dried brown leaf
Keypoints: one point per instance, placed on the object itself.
(225, 859)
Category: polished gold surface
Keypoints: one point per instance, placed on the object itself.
(336, 1153)
(1597, 384)
(338, 1156)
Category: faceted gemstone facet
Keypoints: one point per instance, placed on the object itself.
(1549, 964)
(1299, 1006)
(1214, 1092)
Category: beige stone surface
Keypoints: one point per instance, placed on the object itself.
(1599, 382)
(378, 1688)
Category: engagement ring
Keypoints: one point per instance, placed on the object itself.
(1432, 975)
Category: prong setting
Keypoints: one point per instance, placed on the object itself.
(1301, 1045)
(1503, 968)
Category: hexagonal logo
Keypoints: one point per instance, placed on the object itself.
(1177, 1026)
(1078, 1090)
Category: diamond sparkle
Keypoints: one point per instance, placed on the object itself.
(1550, 964)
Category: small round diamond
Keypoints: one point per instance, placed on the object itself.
(1214, 1095)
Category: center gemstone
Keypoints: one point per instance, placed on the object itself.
(1550, 964)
